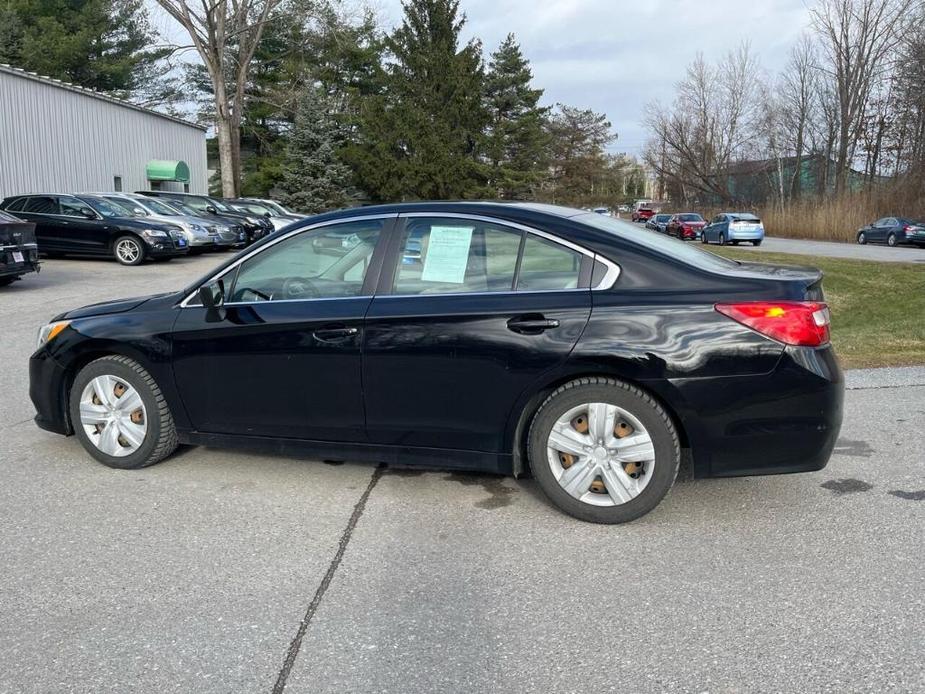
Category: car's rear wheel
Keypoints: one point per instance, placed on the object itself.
(120, 415)
(129, 250)
(603, 451)
(862, 238)
(891, 239)
(757, 242)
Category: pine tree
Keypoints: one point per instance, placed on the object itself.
(314, 178)
(516, 140)
(419, 135)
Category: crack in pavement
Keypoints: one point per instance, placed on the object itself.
(296, 643)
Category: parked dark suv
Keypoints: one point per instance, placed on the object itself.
(18, 251)
(256, 225)
(72, 225)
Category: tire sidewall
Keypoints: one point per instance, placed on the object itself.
(891, 240)
(120, 370)
(653, 418)
(862, 238)
(134, 239)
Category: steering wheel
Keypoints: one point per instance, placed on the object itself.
(299, 288)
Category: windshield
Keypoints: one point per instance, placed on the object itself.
(255, 208)
(106, 208)
(178, 207)
(132, 209)
(657, 242)
(662, 217)
(219, 205)
(690, 217)
(158, 207)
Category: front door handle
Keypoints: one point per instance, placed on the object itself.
(532, 324)
(334, 333)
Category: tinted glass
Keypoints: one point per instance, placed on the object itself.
(105, 207)
(661, 243)
(42, 205)
(547, 265)
(442, 256)
(321, 263)
(690, 217)
(17, 204)
(158, 207)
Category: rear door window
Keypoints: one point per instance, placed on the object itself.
(41, 205)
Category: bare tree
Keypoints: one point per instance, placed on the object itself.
(797, 94)
(225, 33)
(714, 121)
(857, 39)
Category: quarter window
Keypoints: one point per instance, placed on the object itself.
(323, 263)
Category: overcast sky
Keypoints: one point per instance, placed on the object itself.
(616, 55)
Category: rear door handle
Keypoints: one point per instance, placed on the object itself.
(334, 333)
(531, 325)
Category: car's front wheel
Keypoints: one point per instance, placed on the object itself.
(129, 250)
(603, 450)
(120, 415)
(722, 239)
(862, 238)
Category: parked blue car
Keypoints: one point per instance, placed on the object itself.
(732, 227)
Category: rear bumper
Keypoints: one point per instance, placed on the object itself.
(782, 422)
(746, 235)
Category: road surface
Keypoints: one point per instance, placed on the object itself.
(222, 571)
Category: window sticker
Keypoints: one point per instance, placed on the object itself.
(447, 254)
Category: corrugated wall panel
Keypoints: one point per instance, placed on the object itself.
(56, 140)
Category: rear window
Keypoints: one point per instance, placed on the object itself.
(686, 252)
(744, 218)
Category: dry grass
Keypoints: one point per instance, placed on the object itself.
(839, 218)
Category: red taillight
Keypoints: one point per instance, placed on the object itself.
(804, 323)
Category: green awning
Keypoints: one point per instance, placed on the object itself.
(163, 170)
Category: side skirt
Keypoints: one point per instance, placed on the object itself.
(398, 456)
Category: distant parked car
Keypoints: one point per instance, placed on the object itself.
(641, 214)
(201, 234)
(256, 226)
(894, 231)
(733, 227)
(259, 207)
(685, 225)
(623, 208)
(71, 225)
(19, 254)
(602, 210)
(658, 222)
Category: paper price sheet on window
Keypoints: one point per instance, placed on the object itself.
(447, 254)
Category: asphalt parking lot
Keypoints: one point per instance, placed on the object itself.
(221, 571)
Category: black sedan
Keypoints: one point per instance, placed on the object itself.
(91, 226)
(255, 225)
(515, 338)
(894, 231)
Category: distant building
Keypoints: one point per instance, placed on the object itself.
(760, 180)
(57, 137)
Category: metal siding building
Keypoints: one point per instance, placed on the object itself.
(56, 137)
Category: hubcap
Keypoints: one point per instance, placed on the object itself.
(128, 250)
(600, 454)
(113, 416)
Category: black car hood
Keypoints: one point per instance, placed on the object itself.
(106, 308)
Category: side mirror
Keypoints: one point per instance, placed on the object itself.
(88, 213)
(212, 295)
(267, 215)
(211, 209)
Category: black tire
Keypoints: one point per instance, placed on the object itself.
(703, 238)
(862, 238)
(4, 281)
(129, 240)
(891, 240)
(756, 243)
(722, 239)
(632, 399)
(161, 437)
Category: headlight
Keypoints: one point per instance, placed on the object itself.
(155, 234)
(195, 227)
(49, 332)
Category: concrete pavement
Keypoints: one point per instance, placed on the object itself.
(220, 571)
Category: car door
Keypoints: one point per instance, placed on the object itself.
(469, 313)
(879, 229)
(281, 358)
(42, 211)
(86, 231)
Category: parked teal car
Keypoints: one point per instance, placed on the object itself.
(733, 227)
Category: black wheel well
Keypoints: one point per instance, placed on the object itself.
(521, 463)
